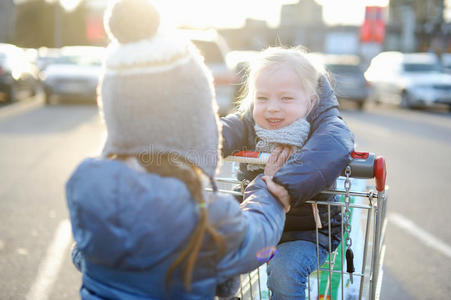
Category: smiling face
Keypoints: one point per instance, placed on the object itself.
(279, 98)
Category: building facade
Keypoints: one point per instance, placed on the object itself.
(7, 21)
(418, 25)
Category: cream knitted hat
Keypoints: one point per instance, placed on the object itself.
(156, 95)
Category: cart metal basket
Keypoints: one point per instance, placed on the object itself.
(363, 200)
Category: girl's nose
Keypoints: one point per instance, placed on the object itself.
(273, 105)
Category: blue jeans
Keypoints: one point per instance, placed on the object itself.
(289, 269)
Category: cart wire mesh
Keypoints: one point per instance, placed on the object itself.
(366, 209)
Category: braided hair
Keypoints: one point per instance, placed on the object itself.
(166, 165)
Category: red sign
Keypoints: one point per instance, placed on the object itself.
(94, 28)
(373, 28)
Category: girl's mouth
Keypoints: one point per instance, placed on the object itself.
(274, 122)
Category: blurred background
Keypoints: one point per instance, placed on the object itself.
(389, 62)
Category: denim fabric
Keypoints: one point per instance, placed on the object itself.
(289, 269)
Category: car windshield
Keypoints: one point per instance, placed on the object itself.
(343, 68)
(210, 51)
(412, 67)
(78, 60)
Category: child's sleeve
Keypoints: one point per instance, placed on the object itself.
(77, 257)
(250, 232)
(325, 154)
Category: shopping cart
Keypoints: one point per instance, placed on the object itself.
(363, 227)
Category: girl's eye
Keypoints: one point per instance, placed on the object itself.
(287, 98)
(261, 98)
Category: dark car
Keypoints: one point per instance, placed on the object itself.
(18, 76)
(349, 79)
(346, 75)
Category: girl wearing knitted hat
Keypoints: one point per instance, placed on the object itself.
(143, 227)
(290, 102)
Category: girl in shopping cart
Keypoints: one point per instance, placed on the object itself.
(290, 102)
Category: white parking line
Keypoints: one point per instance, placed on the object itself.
(51, 265)
(424, 236)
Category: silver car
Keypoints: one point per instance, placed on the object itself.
(74, 74)
(18, 76)
(409, 79)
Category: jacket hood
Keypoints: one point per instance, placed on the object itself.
(111, 232)
(327, 102)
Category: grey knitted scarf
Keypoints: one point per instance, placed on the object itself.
(294, 134)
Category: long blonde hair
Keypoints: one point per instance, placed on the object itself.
(295, 58)
(167, 166)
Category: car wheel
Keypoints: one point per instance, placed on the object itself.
(12, 94)
(47, 98)
(360, 104)
(375, 98)
(34, 90)
(405, 100)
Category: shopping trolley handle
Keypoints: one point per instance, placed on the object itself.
(249, 157)
(363, 164)
(367, 165)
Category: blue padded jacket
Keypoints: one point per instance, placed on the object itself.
(129, 226)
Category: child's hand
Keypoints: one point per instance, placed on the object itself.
(279, 191)
(277, 159)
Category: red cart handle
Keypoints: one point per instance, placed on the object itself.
(380, 173)
(367, 165)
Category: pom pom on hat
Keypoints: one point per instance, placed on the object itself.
(130, 21)
(156, 94)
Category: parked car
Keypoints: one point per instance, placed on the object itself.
(214, 49)
(45, 57)
(347, 78)
(446, 62)
(18, 77)
(74, 74)
(409, 79)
